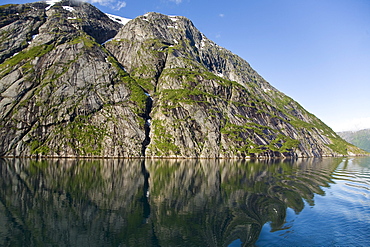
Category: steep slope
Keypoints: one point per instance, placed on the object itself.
(73, 82)
(360, 138)
(63, 94)
(209, 102)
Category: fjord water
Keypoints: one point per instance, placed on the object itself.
(65, 202)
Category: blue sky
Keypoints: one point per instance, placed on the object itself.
(315, 51)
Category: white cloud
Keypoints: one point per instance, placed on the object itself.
(120, 5)
(101, 2)
(113, 4)
(352, 124)
(221, 15)
(176, 1)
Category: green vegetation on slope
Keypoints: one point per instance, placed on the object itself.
(359, 138)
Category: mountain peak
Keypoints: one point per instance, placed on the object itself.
(77, 82)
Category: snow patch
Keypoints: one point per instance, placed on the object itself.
(202, 44)
(69, 8)
(175, 41)
(173, 17)
(34, 36)
(51, 3)
(175, 27)
(219, 74)
(266, 89)
(119, 19)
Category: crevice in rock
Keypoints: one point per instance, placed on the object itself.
(161, 67)
(148, 108)
(147, 118)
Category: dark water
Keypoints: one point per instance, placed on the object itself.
(311, 202)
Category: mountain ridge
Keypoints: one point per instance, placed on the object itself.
(359, 138)
(82, 84)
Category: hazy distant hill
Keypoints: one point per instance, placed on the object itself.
(359, 138)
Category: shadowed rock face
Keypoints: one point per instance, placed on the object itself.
(158, 87)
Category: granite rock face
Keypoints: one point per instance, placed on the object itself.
(64, 94)
(75, 83)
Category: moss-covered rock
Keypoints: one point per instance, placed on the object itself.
(158, 88)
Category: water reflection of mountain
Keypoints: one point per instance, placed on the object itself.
(153, 202)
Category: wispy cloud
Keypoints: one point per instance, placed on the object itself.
(352, 124)
(120, 5)
(176, 1)
(221, 15)
(113, 4)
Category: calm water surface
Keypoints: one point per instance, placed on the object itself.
(307, 202)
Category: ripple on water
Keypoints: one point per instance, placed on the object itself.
(340, 214)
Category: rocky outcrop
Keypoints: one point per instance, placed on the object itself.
(65, 95)
(18, 24)
(209, 102)
(75, 83)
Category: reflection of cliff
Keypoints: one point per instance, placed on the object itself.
(68, 202)
(218, 202)
(151, 203)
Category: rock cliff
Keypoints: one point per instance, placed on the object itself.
(73, 82)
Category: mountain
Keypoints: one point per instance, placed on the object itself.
(360, 138)
(75, 82)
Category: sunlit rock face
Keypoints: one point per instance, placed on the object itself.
(64, 94)
(74, 82)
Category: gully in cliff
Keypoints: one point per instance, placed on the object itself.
(147, 118)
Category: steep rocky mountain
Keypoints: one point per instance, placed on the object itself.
(360, 138)
(74, 82)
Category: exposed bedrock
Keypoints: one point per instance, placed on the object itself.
(73, 82)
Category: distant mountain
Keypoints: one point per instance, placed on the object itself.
(359, 138)
(76, 82)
